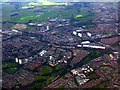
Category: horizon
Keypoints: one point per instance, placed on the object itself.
(60, 1)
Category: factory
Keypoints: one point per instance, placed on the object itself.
(81, 81)
(91, 46)
(81, 32)
(80, 74)
(85, 42)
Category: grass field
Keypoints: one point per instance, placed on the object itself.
(9, 64)
(10, 67)
(7, 25)
(77, 16)
(38, 77)
(6, 10)
(47, 10)
(102, 85)
(93, 75)
(11, 70)
(58, 67)
(45, 70)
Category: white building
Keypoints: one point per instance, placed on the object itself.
(98, 47)
(50, 57)
(86, 45)
(26, 60)
(20, 61)
(25, 7)
(43, 52)
(31, 24)
(47, 28)
(39, 24)
(14, 30)
(74, 72)
(85, 42)
(79, 30)
(79, 34)
(91, 46)
(81, 75)
(74, 32)
(65, 61)
(79, 45)
(89, 34)
(16, 60)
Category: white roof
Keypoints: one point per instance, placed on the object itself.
(78, 30)
(85, 42)
(79, 45)
(89, 34)
(74, 32)
(20, 61)
(42, 52)
(79, 34)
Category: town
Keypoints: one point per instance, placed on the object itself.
(62, 51)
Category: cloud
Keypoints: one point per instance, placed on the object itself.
(85, 0)
(61, 0)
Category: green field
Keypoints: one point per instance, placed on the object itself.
(58, 67)
(79, 16)
(7, 25)
(40, 78)
(11, 70)
(10, 67)
(93, 75)
(45, 70)
(9, 64)
(102, 85)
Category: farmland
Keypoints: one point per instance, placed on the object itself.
(42, 13)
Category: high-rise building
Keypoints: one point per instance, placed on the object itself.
(20, 61)
(47, 28)
(16, 60)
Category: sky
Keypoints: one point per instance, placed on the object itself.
(62, 0)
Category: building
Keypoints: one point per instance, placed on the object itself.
(85, 42)
(91, 46)
(47, 28)
(20, 61)
(89, 34)
(79, 34)
(74, 32)
(16, 60)
(42, 52)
